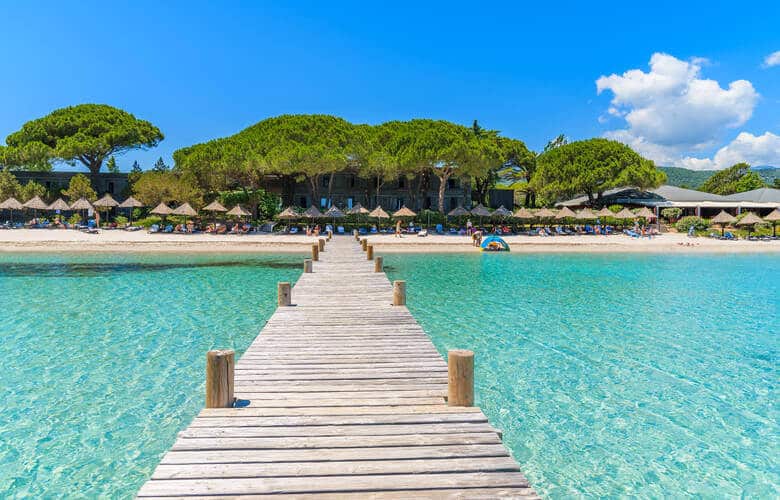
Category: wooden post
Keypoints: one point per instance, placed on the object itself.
(378, 264)
(364, 244)
(460, 378)
(356, 234)
(399, 293)
(283, 291)
(321, 242)
(370, 252)
(315, 252)
(307, 266)
(219, 378)
(330, 234)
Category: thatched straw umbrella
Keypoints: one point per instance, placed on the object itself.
(544, 213)
(404, 212)
(11, 204)
(586, 214)
(625, 214)
(773, 217)
(214, 207)
(646, 213)
(106, 203)
(162, 210)
(238, 211)
(358, 210)
(288, 213)
(82, 205)
(131, 203)
(334, 213)
(565, 213)
(36, 203)
(58, 205)
(380, 214)
(605, 212)
(458, 212)
(722, 219)
(501, 212)
(750, 220)
(312, 213)
(480, 211)
(185, 209)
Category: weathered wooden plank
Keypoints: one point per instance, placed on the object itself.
(239, 419)
(427, 494)
(335, 430)
(318, 484)
(487, 464)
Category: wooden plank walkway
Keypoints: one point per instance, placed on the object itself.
(346, 399)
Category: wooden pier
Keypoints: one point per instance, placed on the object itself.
(342, 395)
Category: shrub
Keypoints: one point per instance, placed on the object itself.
(74, 219)
(699, 224)
(120, 220)
(671, 214)
(148, 221)
(615, 208)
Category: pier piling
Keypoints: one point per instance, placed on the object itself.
(315, 252)
(399, 293)
(460, 378)
(378, 264)
(307, 266)
(284, 295)
(219, 378)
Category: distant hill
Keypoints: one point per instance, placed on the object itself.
(692, 179)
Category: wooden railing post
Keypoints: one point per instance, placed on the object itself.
(321, 242)
(364, 244)
(378, 264)
(460, 378)
(315, 252)
(307, 266)
(284, 295)
(330, 234)
(399, 293)
(219, 378)
(370, 252)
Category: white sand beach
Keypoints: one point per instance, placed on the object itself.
(61, 240)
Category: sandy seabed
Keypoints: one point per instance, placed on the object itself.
(114, 241)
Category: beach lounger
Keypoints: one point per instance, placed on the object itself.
(422, 233)
(362, 230)
(168, 229)
(293, 230)
(339, 229)
(373, 230)
(439, 229)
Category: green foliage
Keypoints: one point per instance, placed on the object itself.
(31, 190)
(699, 224)
(776, 183)
(87, 133)
(74, 219)
(615, 208)
(9, 185)
(266, 203)
(735, 179)
(559, 141)
(121, 220)
(671, 213)
(160, 166)
(153, 188)
(111, 165)
(147, 222)
(80, 187)
(592, 167)
(682, 177)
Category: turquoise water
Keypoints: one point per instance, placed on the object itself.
(104, 360)
(612, 375)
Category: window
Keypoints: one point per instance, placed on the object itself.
(303, 201)
(349, 200)
(352, 183)
(323, 202)
(399, 202)
(401, 182)
(452, 183)
(110, 187)
(325, 180)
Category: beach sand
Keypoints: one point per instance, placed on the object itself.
(116, 241)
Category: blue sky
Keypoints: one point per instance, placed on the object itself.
(203, 70)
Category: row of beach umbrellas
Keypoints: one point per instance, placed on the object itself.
(751, 219)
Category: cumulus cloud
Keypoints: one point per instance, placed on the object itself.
(755, 150)
(772, 59)
(672, 110)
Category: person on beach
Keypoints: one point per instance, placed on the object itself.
(469, 227)
(398, 229)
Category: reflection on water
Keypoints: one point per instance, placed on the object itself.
(85, 269)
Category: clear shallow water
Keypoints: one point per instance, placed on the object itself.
(104, 360)
(616, 375)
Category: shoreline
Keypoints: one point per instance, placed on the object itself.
(52, 241)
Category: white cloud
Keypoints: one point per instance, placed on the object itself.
(671, 111)
(755, 150)
(772, 59)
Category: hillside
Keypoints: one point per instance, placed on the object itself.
(692, 179)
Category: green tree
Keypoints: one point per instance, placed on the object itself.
(167, 187)
(160, 166)
(591, 167)
(80, 187)
(135, 173)
(9, 185)
(776, 183)
(111, 165)
(736, 179)
(31, 190)
(559, 141)
(87, 133)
